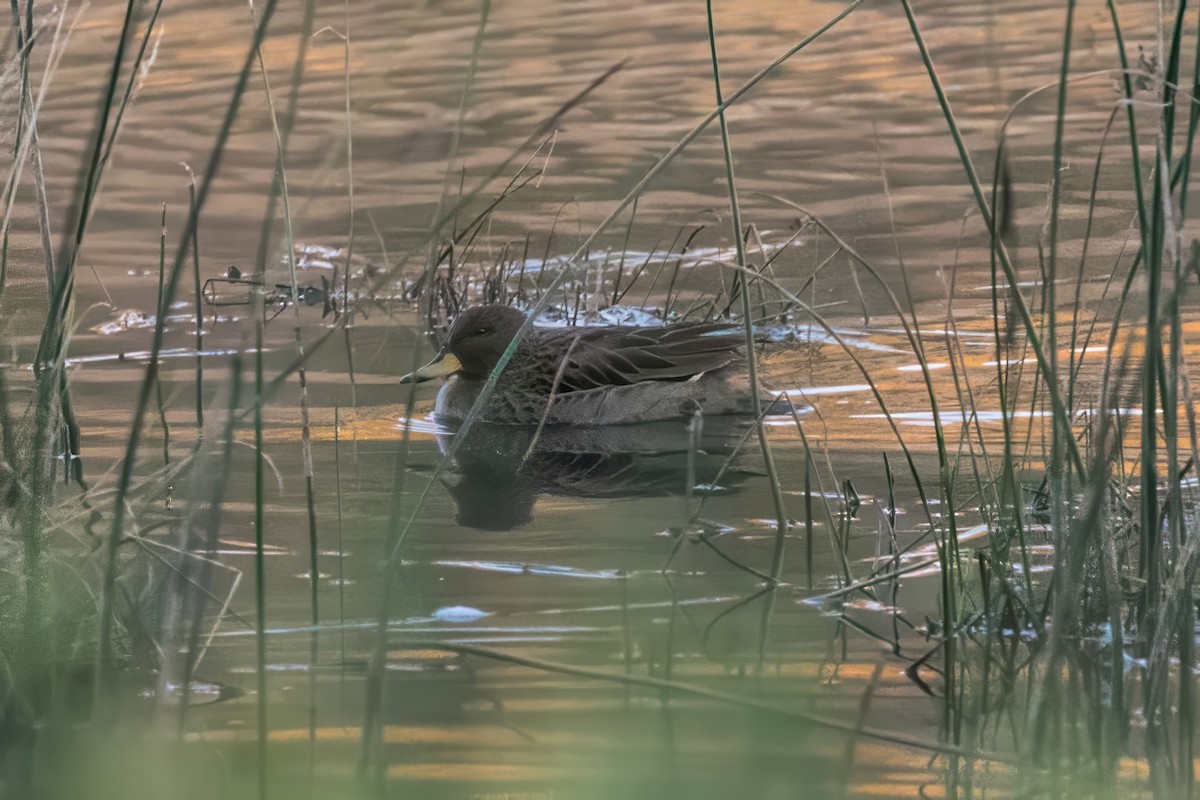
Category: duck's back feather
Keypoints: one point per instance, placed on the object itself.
(621, 356)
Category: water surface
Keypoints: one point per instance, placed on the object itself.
(591, 559)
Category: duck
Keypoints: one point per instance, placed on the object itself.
(587, 375)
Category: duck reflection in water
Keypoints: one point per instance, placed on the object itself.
(495, 485)
(614, 411)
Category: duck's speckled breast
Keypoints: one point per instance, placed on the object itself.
(508, 405)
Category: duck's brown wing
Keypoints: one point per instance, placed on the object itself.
(620, 356)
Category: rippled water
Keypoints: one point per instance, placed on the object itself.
(565, 562)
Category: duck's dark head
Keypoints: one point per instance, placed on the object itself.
(478, 337)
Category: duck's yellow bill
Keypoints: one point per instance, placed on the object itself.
(445, 365)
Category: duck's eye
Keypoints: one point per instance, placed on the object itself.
(480, 332)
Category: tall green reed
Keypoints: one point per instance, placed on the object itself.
(781, 516)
